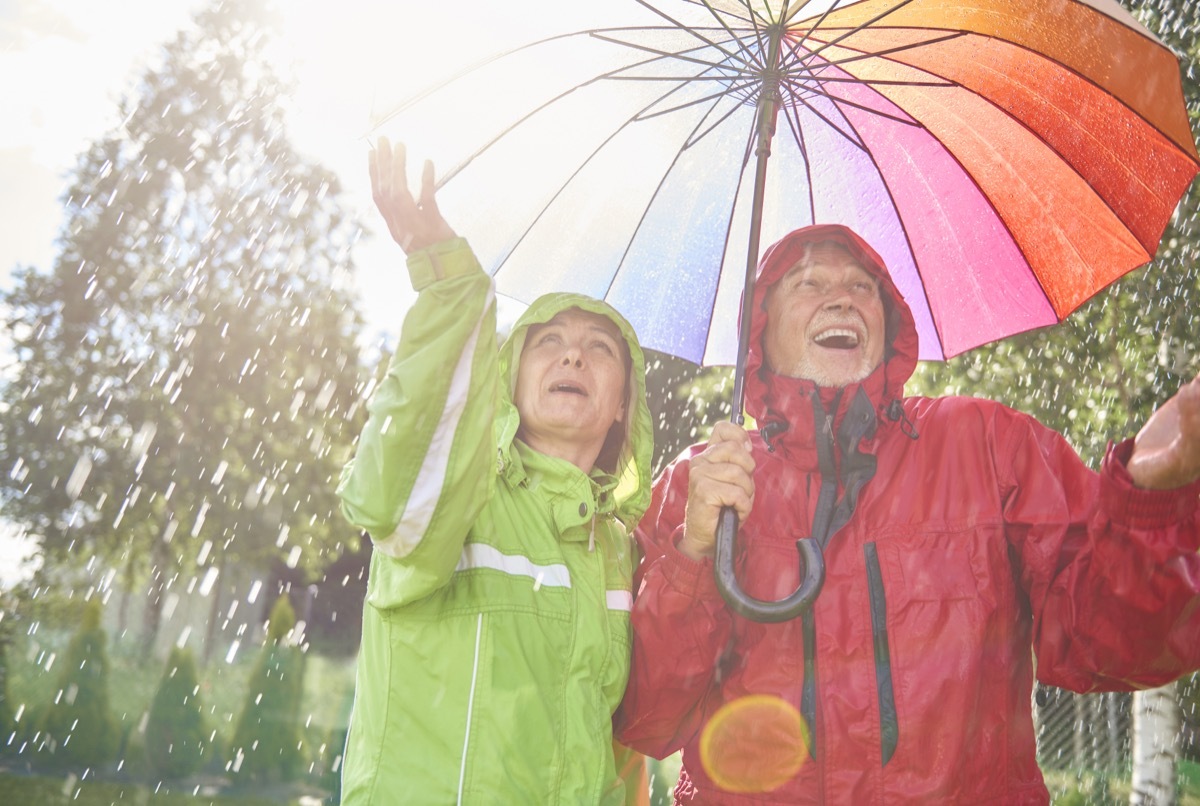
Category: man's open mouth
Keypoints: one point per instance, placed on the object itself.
(569, 388)
(837, 338)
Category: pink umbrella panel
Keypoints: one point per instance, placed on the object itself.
(1007, 159)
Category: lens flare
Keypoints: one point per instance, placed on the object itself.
(754, 744)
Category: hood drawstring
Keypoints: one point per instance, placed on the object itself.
(592, 534)
(772, 430)
(895, 412)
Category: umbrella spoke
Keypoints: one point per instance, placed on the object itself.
(692, 140)
(663, 54)
(695, 32)
(550, 202)
(688, 141)
(852, 31)
(840, 101)
(716, 96)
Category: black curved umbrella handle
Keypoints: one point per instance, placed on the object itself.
(745, 605)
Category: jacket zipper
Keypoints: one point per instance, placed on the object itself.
(889, 726)
(462, 772)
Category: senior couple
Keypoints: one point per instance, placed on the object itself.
(537, 606)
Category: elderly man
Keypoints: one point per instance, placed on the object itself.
(498, 487)
(968, 551)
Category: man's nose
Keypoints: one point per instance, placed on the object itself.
(839, 299)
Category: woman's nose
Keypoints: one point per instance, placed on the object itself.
(572, 357)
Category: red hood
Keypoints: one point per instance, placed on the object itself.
(900, 356)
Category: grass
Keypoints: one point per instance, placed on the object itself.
(1080, 787)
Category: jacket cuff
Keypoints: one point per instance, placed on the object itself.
(688, 576)
(443, 260)
(1137, 508)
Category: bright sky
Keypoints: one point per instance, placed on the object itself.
(75, 58)
(66, 63)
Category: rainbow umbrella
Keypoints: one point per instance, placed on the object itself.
(1007, 158)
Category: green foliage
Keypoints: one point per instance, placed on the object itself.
(78, 727)
(175, 733)
(685, 401)
(8, 620)
(184, 383)
(267, 742)
(282, 619)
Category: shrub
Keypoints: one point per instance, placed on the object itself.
(78, 725)
(175, 736)
(266, 742)
(7, 632)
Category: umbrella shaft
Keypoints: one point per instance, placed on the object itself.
(768, 109)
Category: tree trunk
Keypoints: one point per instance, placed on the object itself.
(1156, 724)
(214, 614)
(153, 609)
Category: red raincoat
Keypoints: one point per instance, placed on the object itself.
(968, 550)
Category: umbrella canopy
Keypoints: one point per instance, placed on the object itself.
(1007, 158)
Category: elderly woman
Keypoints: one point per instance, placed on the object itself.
(499, 488)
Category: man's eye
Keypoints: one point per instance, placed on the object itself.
(548, 338)
(604, 347)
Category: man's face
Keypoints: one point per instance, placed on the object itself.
(825, 319)
(570, 382)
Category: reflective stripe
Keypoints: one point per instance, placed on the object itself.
(619, 600)
(427, 489)
(462, 770)
(479, 555)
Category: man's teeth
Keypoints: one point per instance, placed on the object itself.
(837, 337)
(566, 387)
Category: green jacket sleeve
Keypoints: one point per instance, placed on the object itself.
(425, 462)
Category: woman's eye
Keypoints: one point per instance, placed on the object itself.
(604, 347)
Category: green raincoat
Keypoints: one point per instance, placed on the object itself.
(496, 638)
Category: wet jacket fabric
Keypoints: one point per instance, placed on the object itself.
(968, 552)
(495, 641)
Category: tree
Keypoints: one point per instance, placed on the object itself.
(78, 727)
(175, 736)
(184, 389)
(266, 742)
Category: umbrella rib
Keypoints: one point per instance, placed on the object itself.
(668, 54)
(857, 142)
(859, 55)
(695, 32)
(837, 100)
(815, 25)
(793, 120)
(716, 96)
(692, 140)
(737, 191)
(853, 30)
(646, 211)
(633, 118)
(476, 66)
(908, 240)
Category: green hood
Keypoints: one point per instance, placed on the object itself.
(633, 469)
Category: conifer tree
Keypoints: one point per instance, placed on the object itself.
(267, 742)
(78, 728)
(176, 740)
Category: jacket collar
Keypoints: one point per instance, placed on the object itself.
(790, 420)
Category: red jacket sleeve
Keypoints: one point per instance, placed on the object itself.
(681, 628)
(1115, 594)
